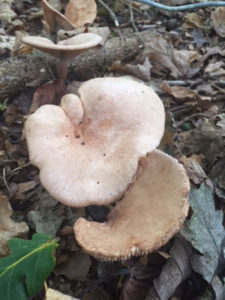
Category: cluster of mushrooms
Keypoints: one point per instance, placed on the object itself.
(99, 147)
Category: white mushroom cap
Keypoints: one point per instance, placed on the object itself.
(64, 49)
(95, 161)
(151, 212)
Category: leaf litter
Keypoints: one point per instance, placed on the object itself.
(185, 63)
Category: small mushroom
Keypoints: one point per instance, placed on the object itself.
(88, 149)
(151, 212)
(65, 49)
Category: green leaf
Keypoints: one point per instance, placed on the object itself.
(24, 271)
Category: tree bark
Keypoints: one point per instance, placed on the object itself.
(17, 72)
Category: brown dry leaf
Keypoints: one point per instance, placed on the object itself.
(162, 55)
(76, 266)
(176, 270)
(167, 140)
(54, 19)
(11, 114)
(26, 186)
(140, 71)
(80, 12)
(193, 20)
(56, 295)
(193, 168)
(9, 228)
(207, 138)
(218, 20)
(49, 93)
(178, 92)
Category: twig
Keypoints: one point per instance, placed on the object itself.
(4, 179)
(132, 16)
(182, 7)
(111, 13)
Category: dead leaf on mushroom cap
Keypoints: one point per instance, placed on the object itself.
(80, 12)
(88, 149)
(151, 212)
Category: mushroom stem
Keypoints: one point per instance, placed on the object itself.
(62, 69)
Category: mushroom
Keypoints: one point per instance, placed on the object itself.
(65, 49)
(88, 149)
(151, 212)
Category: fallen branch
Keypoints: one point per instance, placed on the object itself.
(17, 72)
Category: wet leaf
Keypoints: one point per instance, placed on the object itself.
(24, 271)
(204, 231)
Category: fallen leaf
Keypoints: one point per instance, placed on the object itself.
(29, 264)
(204, 231)
(206, 138)
(193, 20)
(26, 186)
(176, 270)
(54, 19)
(9, 228)
(49, 93)
(218, 20)
(6, 12)
(76, 267)
(193, 168)
(80, 12)
(56, 295)
(162, 53)
(179, 92)
(140, 71)
(213, 67)
(46, 220)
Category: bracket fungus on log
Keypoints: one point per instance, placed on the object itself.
(151, 212)
(88, 149)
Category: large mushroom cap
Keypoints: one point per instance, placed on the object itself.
(95, 161)
(151, 212)
(65, 49)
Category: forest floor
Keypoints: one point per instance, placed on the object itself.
(184, 62)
